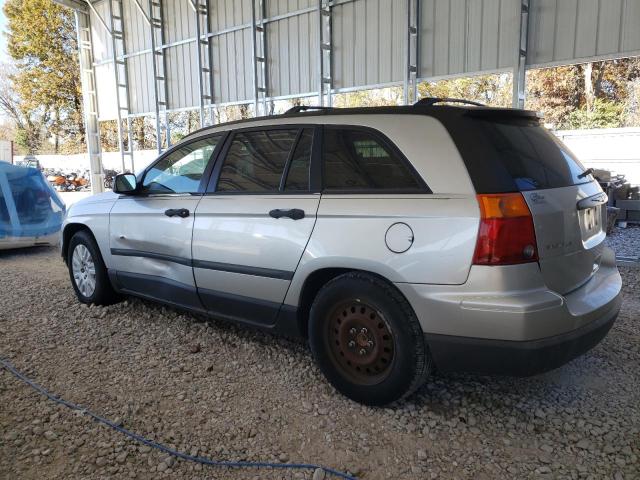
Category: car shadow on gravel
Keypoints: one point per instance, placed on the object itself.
(26, 251)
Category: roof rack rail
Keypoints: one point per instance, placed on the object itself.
(304, 108)
(430, 101)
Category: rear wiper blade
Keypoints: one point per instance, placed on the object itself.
(588, 171)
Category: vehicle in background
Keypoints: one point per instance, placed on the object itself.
(6, 151)
(395, 239)
(29, 161)
(31, 212)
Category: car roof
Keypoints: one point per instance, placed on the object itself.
(434, 110)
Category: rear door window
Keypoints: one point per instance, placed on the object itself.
(534, 158)
(298, 174)
(360, 160)
(256, 160)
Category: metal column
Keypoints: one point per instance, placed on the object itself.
(411, 61)
(519, 72)
(116, 19)
(324, 59)
(258, 27)
(205, 76)
(161, 93)
(90, 101)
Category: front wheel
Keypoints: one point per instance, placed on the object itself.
(367, 340)
(87, 271)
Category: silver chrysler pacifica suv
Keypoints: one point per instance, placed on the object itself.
(395, 239)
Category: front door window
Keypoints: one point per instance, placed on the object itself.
(181, 171)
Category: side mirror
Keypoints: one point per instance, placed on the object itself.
(125, 183)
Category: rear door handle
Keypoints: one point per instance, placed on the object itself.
(177, 212)
(294, 213)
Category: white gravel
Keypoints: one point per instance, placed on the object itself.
(625, 241)
(212, 389)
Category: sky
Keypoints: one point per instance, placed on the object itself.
(4, 58)
(3, 40)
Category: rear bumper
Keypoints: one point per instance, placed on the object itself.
(505, 320)
(503, 357)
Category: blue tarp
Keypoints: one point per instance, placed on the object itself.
(29, 206)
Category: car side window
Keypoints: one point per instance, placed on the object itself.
(298, 174)
(360, 160)
(181, 171)
(256, 160)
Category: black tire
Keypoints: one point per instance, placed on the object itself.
(379, 370)
(103, 293)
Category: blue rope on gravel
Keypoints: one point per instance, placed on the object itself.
(191, 458)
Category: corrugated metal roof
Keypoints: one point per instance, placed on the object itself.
(369, 43)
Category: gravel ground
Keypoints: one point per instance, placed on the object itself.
(625, 241)
(212, 389)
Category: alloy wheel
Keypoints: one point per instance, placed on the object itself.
(84, 270)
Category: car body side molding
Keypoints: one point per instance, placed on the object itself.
(260, 314)
(223, 267)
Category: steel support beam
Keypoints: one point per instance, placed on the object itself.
(204, 60)
(118, 45)
(90, 101)
(259, 53)
(519, 72)
(412, 56)
(325, 84)
(161, 94)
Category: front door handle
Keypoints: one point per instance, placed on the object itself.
(177, 212)
(294, 213)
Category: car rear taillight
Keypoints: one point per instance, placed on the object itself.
(506, 235)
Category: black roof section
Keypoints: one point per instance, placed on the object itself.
(434, 107)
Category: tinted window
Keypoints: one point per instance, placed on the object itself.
(181, 170)
(255, 161)
(358, 160)
(298, 176)
(534, 158)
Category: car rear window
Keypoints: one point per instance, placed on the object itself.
(533, 157)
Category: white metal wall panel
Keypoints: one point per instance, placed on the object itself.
(232, 62)
(227, 14)
(106, 88)
(140, 76)
(137, 34)
(293, 49)
(369, 42)
(276, 8)
(570, 31)
(182, 65)
(464, 36)
(180, 20)
(100, 38)
(181, 59)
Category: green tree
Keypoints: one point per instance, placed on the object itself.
(600, 114)
(580, 96)
(42, 41)
(28, 123)
(491, 89)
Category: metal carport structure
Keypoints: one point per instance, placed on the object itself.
(154, 57)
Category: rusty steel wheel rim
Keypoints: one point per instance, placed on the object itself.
(360, 342)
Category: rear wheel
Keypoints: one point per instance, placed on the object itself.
(87, 271)
(367, 340)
